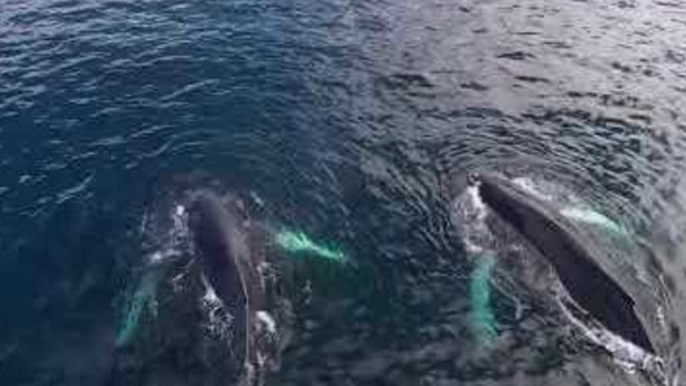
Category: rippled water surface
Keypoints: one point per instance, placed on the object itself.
(354, 121)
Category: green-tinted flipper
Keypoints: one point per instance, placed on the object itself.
(590, 216)
(482, 315)
(136, 305)
(299, 242)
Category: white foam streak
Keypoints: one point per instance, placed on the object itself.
(472, 211)
(627, 355)
(528, 185)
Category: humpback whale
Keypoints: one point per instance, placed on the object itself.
(233, 270)
(573, 258)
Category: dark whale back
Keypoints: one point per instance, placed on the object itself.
(573, 257)
(222, 246)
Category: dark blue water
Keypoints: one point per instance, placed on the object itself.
(356, 122)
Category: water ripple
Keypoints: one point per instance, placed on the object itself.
(354, 120)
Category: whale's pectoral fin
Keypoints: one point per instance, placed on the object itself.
(482, 313)
(590, 216)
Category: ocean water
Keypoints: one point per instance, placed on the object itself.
(354, 122)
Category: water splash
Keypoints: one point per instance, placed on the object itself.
(299, 242)
(219, 321)
(625, 354)
(482, 314)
